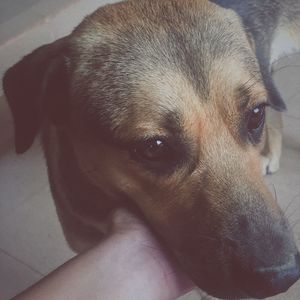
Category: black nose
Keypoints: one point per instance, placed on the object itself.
(266, 282)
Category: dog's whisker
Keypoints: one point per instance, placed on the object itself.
(289, 205)
(275, 192)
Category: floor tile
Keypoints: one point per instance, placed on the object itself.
(15, 276)
(33, 234)
(21, 176)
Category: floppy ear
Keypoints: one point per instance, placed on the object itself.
(35, 88)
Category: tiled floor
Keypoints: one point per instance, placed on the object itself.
(31, 240)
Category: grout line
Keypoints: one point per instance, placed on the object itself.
(22, 262)
(292, 117)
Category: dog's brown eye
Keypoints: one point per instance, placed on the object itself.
(257, 117)
(256, 122)
(153, 150)
(160, 155)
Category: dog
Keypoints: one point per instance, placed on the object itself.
(159, 107)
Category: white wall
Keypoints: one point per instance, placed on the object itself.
(22, 32)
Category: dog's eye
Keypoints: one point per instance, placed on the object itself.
(160, 155)
(153, 150)
(256, 121)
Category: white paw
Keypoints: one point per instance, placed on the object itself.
(274, 165)
(269, 165)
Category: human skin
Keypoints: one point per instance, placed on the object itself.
(128, 264)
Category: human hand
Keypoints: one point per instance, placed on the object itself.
(147, 263)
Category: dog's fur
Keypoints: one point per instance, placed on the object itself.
(186, 72)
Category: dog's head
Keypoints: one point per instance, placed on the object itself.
(164, 102)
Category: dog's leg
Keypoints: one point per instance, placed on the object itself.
(273, 142)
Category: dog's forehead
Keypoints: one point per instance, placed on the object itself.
(187, 34)
(123, 51)
(160, 23)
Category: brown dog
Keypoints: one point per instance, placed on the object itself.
(159, 106)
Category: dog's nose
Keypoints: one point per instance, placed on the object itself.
(267, 282)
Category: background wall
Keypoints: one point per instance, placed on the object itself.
(27, 24)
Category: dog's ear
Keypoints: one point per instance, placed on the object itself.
(275, 99)
(35, 88)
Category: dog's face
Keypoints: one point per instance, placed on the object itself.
(165, 103)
